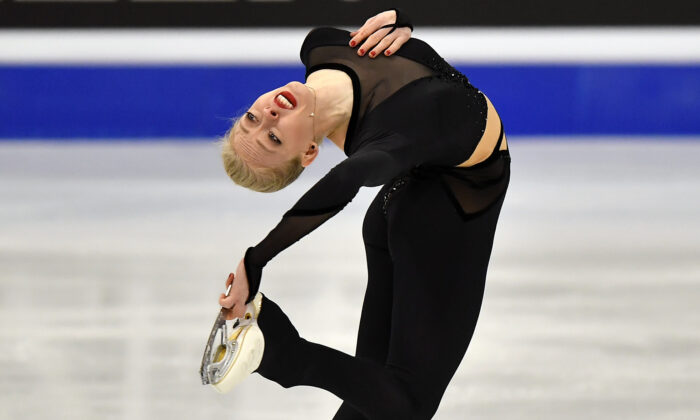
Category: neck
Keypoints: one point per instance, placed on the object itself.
(334, 101)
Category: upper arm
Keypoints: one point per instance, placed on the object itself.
(369, 167)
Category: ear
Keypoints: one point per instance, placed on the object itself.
(309, 155)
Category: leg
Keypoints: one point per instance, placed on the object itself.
(439, 270)
(364, 384)
(375, 320)
(440, 265)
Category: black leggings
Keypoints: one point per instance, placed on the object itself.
(426, 273)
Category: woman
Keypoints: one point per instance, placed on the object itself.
(409, 121)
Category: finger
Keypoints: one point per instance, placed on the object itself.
(366, 30)
(229, 279)
(372, 41)
(356, 37)
(395, 45)
(226, 301)
(383, 44)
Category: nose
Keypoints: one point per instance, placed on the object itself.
(270, 112)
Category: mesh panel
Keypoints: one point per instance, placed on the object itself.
(477, 188)
(379, 77)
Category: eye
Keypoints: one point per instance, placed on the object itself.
(274, 138)
(271, 135)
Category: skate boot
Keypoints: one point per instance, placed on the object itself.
(233, 352)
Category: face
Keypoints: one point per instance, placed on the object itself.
(275, 129)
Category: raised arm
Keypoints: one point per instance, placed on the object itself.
(385, 32)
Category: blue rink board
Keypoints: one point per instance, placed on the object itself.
(107, 102)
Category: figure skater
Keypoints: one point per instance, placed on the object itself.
(407, 120)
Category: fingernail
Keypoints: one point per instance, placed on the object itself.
(388, 52)
(372, 54)
(362, 52)
(352, 43)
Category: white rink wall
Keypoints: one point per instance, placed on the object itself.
(281, 46)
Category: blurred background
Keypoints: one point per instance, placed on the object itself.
(118, 225)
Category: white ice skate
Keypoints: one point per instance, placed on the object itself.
(231, 357)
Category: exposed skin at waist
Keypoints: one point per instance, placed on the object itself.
(489, 139)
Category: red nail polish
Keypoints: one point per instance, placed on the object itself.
(362, 52)
(388, 52)
(372, 54)
(352, 43)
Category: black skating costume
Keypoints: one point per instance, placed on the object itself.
(428, 233)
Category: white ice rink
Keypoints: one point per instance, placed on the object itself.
(112, 257)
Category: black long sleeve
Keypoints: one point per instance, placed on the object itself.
(375, 164)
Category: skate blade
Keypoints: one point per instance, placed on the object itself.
(249, 347)
(229, 358)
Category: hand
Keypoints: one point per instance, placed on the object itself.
(379, 38)
(235, 301)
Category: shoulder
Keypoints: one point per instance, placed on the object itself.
(414, 49)
(418, 50)
(322, 35)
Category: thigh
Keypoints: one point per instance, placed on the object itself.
(375, 319)
(440, 263)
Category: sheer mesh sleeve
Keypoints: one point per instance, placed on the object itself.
(373, 165)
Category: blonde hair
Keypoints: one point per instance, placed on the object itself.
(259, 179)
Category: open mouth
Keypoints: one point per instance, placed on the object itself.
(286, 100)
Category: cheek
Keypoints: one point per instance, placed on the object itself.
(292, 130)
(302, 130)
(306, 121)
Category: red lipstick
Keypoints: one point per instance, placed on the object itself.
(287, 94)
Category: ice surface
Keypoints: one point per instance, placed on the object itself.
(112, 257)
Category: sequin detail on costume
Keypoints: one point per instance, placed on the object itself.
(395, 186)
(448, 73)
